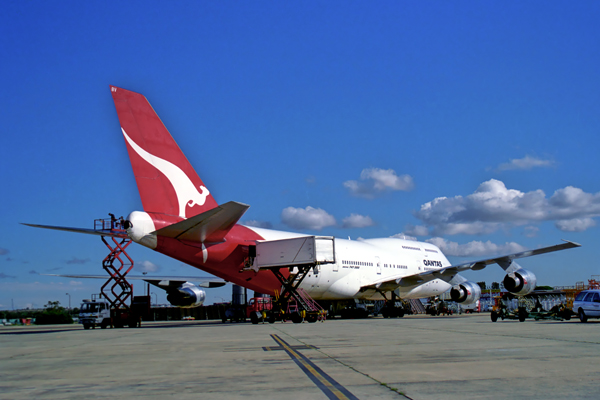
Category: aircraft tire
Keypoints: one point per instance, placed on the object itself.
(494, 316)
(296, 317)
(522, 315)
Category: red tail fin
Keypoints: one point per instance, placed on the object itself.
(166, 181)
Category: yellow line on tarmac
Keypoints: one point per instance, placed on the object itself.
(310, 369)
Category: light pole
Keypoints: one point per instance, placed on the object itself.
(155, 303)
(69, 300)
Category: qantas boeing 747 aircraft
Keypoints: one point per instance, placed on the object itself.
(182, 220)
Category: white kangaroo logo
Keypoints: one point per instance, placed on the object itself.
(186, 192)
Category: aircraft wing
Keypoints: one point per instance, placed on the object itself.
(98, 232)
(450, 273)
(160, 281)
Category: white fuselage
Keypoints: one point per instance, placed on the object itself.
(361, 263)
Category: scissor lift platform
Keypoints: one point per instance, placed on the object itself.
(117, 290)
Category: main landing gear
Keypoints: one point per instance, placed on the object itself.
(390, 310)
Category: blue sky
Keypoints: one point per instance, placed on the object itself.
(473, 125)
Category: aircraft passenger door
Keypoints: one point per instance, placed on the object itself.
(378, 265)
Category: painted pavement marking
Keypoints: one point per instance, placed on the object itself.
(328, 385)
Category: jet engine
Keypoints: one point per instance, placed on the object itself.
(520, 282)
(186, 296)
(465, 293)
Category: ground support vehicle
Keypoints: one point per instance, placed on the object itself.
(438, 307)
(521, 314)
(268, 309)
(110, 307)
(235, 313)
(559, 313)
(587, 304)
(94, 312)
(257, 309)
(290, 261)
(529, 307)
(99, 312)
(501, 310)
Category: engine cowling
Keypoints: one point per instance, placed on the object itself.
(465, 293)
(520, 282)
(186, 296)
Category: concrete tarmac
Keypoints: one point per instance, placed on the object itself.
(416, 357)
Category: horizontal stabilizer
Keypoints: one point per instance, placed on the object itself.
(98, 232)
(211, 226)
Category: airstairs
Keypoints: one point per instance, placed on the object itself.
(294, 302)
(416, 306)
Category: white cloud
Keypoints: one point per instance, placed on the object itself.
(415, 230)
(258, 224)
(75, 260)
(375, 181)
(493, 206)
(475, 248)
(357, 221)
(401, 235)
(531, 231)
(307, 218)
(525, 163)
(146, 266)
(575, 225)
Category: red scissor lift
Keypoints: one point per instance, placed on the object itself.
(117, 290)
